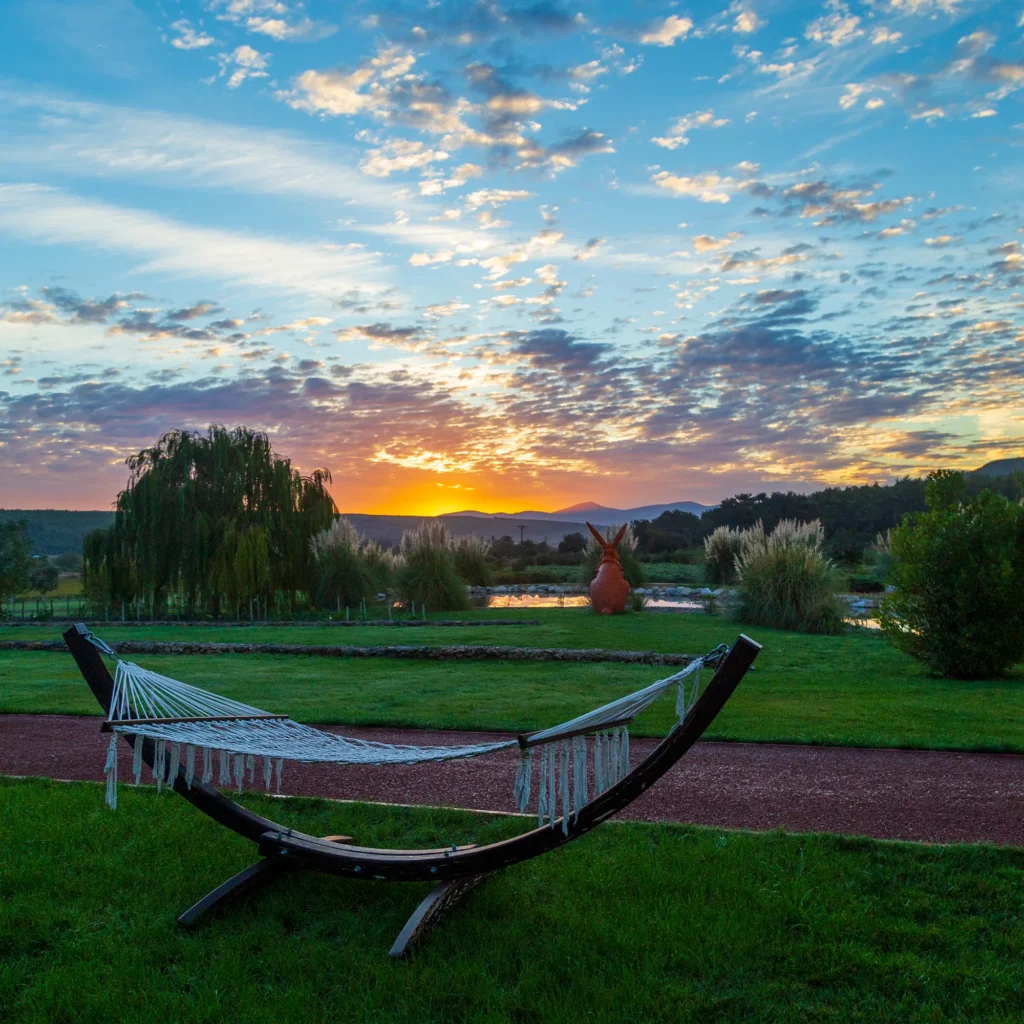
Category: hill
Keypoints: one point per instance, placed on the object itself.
(1001, 467)
(599, 515)
(54, 531)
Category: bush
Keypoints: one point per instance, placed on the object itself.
(632, 569)
(343, 576)
(786, 582)
(721, 549)
(382, 564)
(428, 574)
(959, 577)
(471, 561)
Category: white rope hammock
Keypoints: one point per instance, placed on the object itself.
(185, 720)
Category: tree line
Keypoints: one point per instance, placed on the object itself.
(852, 517)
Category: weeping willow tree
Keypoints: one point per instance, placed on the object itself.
(216, 519)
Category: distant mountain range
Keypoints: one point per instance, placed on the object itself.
(589, 511)
(1001, 467)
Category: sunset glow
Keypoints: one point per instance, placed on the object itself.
(504, 258)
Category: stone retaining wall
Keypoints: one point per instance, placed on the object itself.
(100, 623)
(455, 652)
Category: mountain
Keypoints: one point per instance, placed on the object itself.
(54, 531)
(1001, 467)
(388, 529)
(588, 511)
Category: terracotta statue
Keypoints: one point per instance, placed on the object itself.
(609, 589)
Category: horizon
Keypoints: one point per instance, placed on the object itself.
(481, 256)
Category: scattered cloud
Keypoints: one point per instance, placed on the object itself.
(678, 132)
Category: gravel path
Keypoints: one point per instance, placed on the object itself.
(929, 796)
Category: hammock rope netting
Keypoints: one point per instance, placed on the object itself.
(186, 721)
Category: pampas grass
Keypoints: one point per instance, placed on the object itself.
(428, 575)
(343, 578)
(786, 582)
(471, 561)
(721, 549)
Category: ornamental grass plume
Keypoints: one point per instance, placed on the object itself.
(785, 580)
(343, 578)
(471, 560)
(721, 549)
(428, 575)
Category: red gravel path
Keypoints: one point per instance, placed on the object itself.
(889, 794)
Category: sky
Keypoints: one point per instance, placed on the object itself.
(500, 255)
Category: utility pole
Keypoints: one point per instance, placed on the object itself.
(522, 533)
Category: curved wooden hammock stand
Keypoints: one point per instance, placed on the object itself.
(455, 869)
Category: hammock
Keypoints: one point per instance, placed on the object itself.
(149, 711)
(185, 720)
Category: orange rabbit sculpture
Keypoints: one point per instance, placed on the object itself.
(609, 589)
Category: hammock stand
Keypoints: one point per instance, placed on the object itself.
(455, 870)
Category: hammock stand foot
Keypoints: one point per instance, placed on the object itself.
(258, 874)
(440, 902)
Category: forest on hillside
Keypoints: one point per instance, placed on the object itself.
(55, 531)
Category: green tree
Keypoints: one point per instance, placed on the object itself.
(43, 577)
(15, 557)
(185, 525)
(958, 569)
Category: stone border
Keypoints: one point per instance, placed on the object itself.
(456, 652)
(260, 624)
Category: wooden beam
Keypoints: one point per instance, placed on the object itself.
(438, 904)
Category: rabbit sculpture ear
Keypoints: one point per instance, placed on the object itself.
(597, 536)
(620, 535)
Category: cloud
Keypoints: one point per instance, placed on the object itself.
(400, 155)
(836, 28)
(241, 63)
(666, 31)
(747, 21)
(708, 187)
(40, 214)
(272, 18)
(678, 132)
(705, 243)
(475, 21)
(189, 38)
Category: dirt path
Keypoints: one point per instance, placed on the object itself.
(891, 794)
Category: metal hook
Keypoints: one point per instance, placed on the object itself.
(102, 645)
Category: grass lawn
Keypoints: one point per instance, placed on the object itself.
(639, 923)
(853, 689)
(67, 586)
(682, 573)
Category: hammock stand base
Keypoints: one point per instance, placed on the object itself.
(455, 870)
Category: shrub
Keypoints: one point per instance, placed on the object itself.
(428, 574)
(785, 580)
(721, 549)
(959, 578)
(343, 576)
(471, 561)
(382, 564)
(632, 568)
(880, 555)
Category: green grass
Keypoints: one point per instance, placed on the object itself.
(674, 572)
(852, 690)
(638, 923)
(67, 586)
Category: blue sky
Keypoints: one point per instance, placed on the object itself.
(497, 256)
